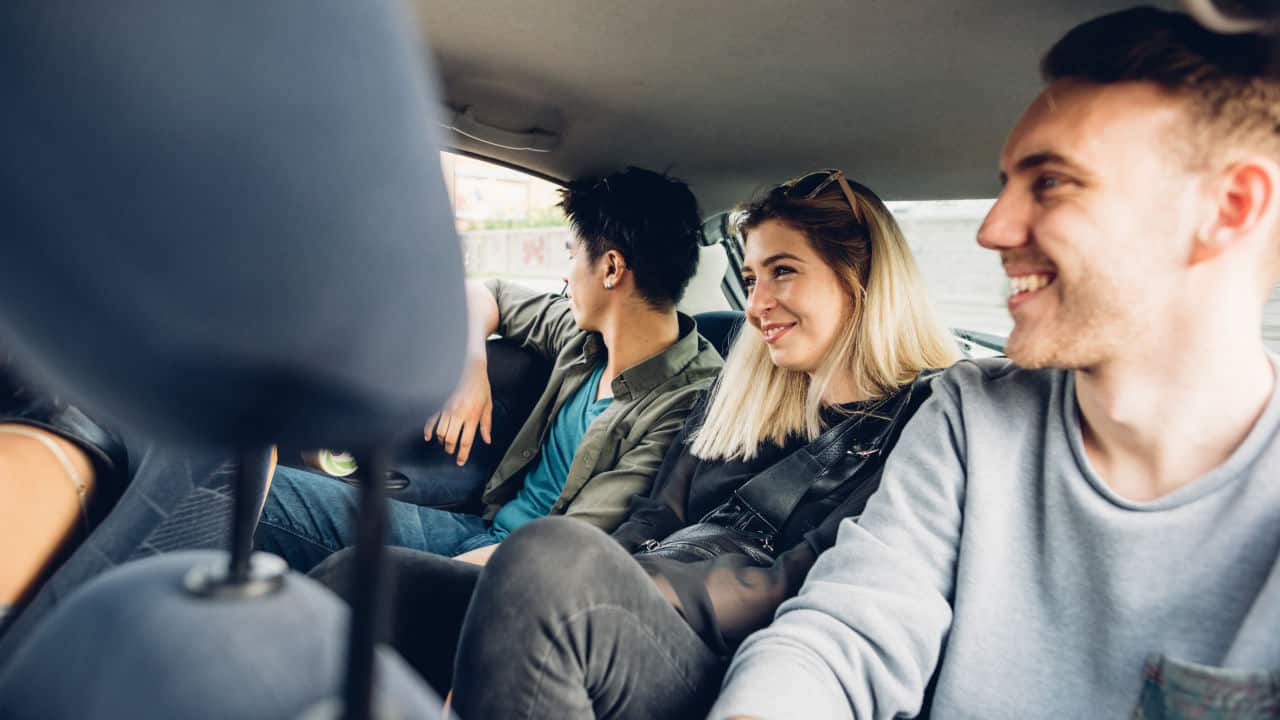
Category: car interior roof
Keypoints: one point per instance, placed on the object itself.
(911, 97)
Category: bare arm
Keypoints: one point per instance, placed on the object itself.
(40, 502)
(471, 406)
(482, 316)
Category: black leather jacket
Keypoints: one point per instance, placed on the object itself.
(727, 597)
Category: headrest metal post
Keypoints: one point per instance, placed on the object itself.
(246, 574)
(255, 469)
(368, 597)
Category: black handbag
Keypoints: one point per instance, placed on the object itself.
(751, 521)
(706, 540)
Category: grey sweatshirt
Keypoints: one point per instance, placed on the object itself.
(993, 548)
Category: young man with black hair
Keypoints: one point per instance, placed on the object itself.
(1093, 531)
(627, 368)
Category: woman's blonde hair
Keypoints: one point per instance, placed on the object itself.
(892, 336)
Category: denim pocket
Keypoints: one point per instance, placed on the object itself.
(1174, 690)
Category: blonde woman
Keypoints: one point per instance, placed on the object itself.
(566, 622)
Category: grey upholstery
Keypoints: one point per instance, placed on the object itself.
(177, 499)
(187, 179)
(191, 660)
(183, 181)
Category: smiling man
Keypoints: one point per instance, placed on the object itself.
(1094, 530)
(627, 370)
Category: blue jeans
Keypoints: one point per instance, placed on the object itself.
(309, 516)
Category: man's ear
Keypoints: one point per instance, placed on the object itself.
(1243, 206)
(614, 265)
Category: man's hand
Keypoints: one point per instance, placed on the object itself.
(470, 408)
(479, 556)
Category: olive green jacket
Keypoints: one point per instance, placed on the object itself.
(621, 451)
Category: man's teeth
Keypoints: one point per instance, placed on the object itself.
(1028, 283)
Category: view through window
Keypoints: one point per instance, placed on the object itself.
(511, 228)
(509, 223)
(966, 282)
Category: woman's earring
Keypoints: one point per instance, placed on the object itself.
(608, 284)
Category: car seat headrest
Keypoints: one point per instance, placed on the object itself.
(132, 644)
(226, 222)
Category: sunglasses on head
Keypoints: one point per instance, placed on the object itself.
(807, 187)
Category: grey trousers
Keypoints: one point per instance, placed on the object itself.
(562, 623)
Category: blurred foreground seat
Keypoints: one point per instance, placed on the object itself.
(181, 178)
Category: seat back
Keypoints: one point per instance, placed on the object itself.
(188, 179)
(720, 327)
(185, 178)
(177, 500)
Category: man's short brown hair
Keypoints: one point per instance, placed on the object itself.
(1231, 82)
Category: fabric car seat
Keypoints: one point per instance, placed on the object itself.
(720, 327)
(178, 500)
(185, 176)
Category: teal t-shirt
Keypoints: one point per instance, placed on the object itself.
(544, 481)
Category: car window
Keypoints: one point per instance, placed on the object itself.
(965, 281)
(508, 221)
(511, 228)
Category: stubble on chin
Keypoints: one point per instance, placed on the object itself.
(1029, 351)
(1081, 344)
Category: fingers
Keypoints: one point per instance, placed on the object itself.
(457, 433)
(455, 427)
(465, 441)
(480, 420)
(486, 423)
(449, 435)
